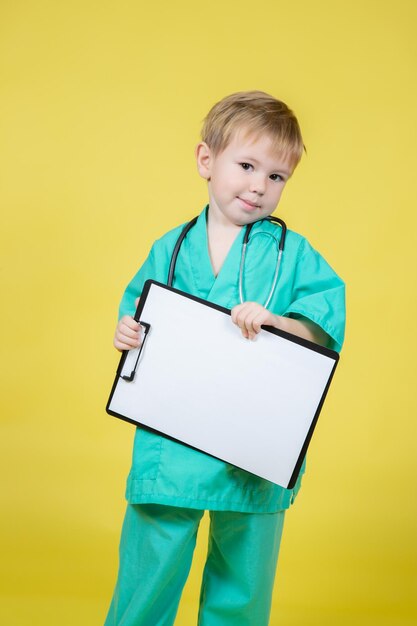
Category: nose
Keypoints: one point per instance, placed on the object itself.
(257, 184)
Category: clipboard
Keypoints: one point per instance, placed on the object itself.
(197, 380)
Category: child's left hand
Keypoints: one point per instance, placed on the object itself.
(250, 316)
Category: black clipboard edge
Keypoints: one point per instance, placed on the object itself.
(158, 432)
(307, 440)
(281, 333)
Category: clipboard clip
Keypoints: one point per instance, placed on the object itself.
(146, 328)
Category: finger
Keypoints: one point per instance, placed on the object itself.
(121, 346)
(126, 334)
(251, 332)
(125, 330)
(129, 341)
(125, 343)
(137, 302)
(250, 308)
(238, 319)
(254, 321)
(250, 317)
(246, 317)
(242, 315)
(242, 309)
(130, 322)
(240, 322)
(245, 333)
(235, 312)
(258, 321)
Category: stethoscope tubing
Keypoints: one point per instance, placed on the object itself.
(280, 248)
(176, 250)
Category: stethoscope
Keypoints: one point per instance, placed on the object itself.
(280, 249)
(185, 230)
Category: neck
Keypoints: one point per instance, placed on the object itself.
(218, 222)
(221, 233)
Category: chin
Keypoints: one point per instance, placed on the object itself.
(250, 218)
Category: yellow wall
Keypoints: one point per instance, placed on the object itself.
(101, 104)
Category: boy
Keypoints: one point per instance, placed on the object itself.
(251, 144)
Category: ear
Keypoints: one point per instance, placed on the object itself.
(204, 159)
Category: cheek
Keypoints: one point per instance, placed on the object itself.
(273, 196)
(277, 193)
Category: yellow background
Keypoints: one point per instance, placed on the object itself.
(101, 105)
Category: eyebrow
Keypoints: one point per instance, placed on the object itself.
(278, 169)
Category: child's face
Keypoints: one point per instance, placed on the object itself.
(245, 181)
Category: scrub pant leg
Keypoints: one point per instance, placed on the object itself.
(156, 550)
(239, 574)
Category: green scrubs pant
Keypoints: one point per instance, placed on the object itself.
(156, 549)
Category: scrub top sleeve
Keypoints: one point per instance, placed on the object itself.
(151, 269)
(319, 295)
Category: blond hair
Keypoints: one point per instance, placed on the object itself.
(255, 113)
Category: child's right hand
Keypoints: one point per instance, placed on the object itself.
(127, 335)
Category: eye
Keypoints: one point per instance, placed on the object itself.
(246, 166)
(276, 177)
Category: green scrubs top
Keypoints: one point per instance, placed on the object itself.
(167, 472)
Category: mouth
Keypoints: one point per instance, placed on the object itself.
(247, 204)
